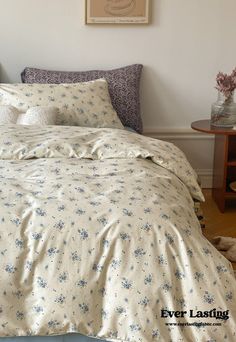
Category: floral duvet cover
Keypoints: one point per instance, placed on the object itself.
(98, 235)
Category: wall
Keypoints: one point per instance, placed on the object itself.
(186, 44)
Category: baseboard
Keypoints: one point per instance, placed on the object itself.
(176, 133)
(206, 177)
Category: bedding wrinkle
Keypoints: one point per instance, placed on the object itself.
(105, 258)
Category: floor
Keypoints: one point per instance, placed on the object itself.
(216, 222)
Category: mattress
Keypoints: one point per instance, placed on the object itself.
(64, 338)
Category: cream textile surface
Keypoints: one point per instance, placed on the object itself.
(81, 104)
(98, 234)
(40, 115)
(8, 115)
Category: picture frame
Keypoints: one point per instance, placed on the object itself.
(117, 11)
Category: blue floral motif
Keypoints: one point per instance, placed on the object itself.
(208, 298)
(82, 283)
(19, 315)
(41, 282)
(84, 308)
(126, 284)
(10, 268)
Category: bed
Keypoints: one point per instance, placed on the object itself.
(99, 240)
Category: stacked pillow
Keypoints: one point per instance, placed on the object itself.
(123, 85)
(77, 104)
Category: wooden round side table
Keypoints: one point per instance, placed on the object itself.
(224, 171)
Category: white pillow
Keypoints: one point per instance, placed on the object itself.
(80, 104)
(8, 115)
(38, 116)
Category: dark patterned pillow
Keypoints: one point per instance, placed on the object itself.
(123, 87)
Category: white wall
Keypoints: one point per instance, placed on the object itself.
(186, 44)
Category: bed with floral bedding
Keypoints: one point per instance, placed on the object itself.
(98, 237)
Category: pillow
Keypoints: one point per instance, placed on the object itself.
(8, 115)
(80, 104)
(38, 116)
(123, 87)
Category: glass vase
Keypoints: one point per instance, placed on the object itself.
(223, 111)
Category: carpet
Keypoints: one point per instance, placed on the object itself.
(225, 245)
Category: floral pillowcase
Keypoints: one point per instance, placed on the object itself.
(80, 104)
(123, 83)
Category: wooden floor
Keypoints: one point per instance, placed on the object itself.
(216, 222)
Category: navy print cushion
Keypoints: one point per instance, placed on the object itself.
(123, 87)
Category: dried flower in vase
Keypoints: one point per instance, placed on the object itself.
(226, 84)
(223, 112)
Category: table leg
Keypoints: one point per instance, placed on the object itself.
(220, 170)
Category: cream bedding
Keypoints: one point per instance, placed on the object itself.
(98, 235)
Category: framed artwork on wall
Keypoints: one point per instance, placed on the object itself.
(117, 11)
